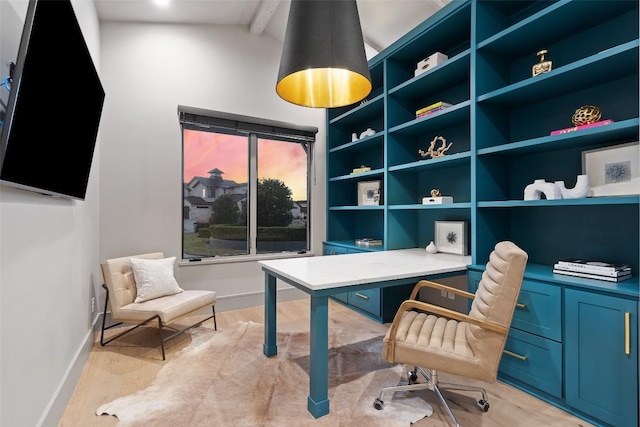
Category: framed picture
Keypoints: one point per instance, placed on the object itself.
(451, 237)
(368, 193)
(613, 171)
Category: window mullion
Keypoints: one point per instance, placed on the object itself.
(253, 194)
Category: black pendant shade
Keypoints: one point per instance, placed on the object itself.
(323, 63)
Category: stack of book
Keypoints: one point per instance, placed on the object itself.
(593, 270)
(433, 108)
(368, 242)
(361, 169)
(575, 128)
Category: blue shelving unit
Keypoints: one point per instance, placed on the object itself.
(500, 124)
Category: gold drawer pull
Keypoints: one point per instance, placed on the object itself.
(627, 319)
(512, 354)
(363, 296)
(521, 306)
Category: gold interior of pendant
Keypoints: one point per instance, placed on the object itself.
(324, 87)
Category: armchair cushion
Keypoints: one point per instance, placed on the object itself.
(154, 278)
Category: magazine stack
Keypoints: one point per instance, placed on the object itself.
(368, 242)
(593, 270)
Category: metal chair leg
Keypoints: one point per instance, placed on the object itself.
(161, 339)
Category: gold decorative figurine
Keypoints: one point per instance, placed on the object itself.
(585, 115)
(542, 66)
(433, 151)
(435, 193)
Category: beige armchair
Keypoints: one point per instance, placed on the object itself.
(432, 338)
(129, 304)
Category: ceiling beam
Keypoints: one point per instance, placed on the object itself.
(263, 16)
(372, 45)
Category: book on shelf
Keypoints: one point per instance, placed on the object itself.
(361, 169)
(426, 113)
(439, 104)
(592, 276)
(614, 273)
(368, 242)
(587, 126)
(593, 265)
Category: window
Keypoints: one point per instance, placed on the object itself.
(251, 176)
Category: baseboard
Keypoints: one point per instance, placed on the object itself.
(58, 403)
(253, 299)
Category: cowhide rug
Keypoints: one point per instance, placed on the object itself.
(222, 378)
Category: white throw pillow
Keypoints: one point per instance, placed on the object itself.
(154, 278)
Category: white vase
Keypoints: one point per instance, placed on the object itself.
(367, 132)
(539, 187)
(580, 191)
(431, 248)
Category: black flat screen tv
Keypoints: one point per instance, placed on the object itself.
(54, 107)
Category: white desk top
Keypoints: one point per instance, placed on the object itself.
(326, 272)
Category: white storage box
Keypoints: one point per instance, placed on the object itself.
(430, 62)
(437, 200)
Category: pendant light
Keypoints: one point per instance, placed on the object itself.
(323, 62)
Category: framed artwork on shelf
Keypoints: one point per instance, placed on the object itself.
(613, 171)
(451, 237)
(368, 193)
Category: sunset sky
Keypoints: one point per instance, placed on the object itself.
(285, 161)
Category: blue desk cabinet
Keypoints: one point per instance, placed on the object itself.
(500, 126)
(602, 356)
(533, 352)
(378, 304)
(574, 343)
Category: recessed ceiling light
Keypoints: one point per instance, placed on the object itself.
(162, 3)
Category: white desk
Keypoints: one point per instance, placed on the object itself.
(324, 276)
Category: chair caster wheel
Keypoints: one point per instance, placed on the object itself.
(484, 405)
(378, 404)
(413, 377)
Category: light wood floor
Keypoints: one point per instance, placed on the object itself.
(131, 364)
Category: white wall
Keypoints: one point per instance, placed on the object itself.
(147, 71)
(50, 249)
(49, 267)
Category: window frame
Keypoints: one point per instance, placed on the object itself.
(254, 128)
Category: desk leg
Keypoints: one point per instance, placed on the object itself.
(270, 347)
(318, 401)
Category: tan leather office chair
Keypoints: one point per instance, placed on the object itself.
(432, 338)
(122, 294)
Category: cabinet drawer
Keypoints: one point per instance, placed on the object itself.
(533, 360)
(368, 300)
(342, 297)
(539, 310)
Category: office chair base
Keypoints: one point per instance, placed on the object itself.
(434, 385)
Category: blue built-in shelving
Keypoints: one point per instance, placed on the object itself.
(500, 123)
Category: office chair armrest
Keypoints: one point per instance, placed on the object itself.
(445, 312)
(428, 284)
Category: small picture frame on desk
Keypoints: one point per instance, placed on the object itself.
(369, 193)
(451, 237)
(613, 171)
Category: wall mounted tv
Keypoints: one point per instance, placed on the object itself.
(52, 115)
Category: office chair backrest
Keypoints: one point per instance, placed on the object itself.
(120, 282)
(496, 297)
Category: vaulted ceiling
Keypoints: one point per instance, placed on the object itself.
(382, 21)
